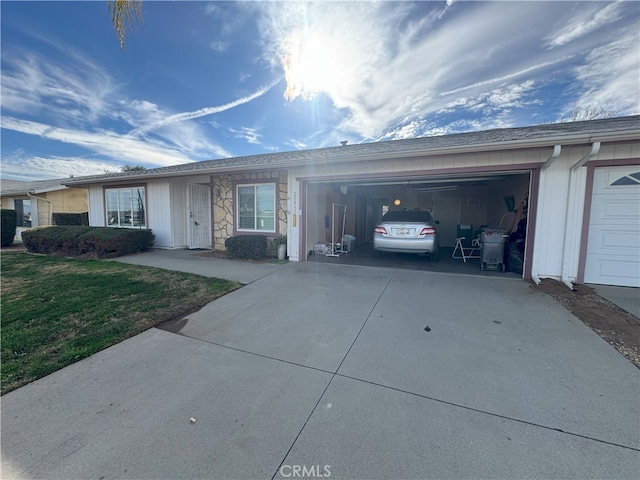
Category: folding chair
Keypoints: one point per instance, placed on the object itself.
(466, 245)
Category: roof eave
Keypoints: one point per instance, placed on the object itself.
(543, 142)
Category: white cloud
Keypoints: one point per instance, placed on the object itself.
(104, 142)
(219, 45)
(203, 112)
(249, 135)
(587, 18)
(77, 92)
(619, 92)
(72, 98)
(391, 65)
(28, 167)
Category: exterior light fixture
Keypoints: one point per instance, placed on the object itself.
(397, 202)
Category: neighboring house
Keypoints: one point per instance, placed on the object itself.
(37, 201)
(580, 183)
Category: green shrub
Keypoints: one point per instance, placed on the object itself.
(8, 220)
(73, 241)
(252, 247)
(71, 218)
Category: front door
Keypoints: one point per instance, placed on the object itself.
(198, 216)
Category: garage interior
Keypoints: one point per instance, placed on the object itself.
(494, 200)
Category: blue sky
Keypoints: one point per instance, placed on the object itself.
(206, 80)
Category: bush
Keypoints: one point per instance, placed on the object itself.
(74, 241)
(252, 247)
(8, 220)
(71, 218)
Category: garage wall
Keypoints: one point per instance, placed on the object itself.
(551, 211)
(516, 186)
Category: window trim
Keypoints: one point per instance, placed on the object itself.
(255, 183)
(129, 187)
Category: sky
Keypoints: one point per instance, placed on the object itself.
(207, 80)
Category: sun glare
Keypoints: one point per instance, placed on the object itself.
(309, 65)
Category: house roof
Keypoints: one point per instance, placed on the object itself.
(19, 187)
(565, 133)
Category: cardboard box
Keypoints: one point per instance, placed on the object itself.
(320, 248)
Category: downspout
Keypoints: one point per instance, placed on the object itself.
(555, 154)
(595, 148)
(30, 195)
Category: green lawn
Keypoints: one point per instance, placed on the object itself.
(56, 311)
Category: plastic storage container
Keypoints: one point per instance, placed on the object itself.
(492, 242)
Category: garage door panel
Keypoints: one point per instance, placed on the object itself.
(610, 207)
(619, 242)
(616, 272)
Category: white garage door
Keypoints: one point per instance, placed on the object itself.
(613, 251)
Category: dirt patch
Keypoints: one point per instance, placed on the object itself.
(615, 325)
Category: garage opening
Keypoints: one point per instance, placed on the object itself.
(482, 201)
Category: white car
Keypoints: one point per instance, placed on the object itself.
(407, 231)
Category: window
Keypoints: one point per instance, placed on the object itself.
(256, 208)
(126, 207)
(631, 179)
(23, 213)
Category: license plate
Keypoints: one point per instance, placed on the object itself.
(402, 231)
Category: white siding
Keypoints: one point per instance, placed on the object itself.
(178, 213)
(96, 206)
(159, 212)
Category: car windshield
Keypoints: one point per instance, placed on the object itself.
(407, 216)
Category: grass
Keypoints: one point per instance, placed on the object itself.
(56, 311)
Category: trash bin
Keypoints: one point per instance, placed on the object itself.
(347, 242)
(492, 242)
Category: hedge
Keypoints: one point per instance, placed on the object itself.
(8, 223)
(75, 241)
(71, 218)
(252, 247)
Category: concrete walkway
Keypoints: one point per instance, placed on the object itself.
(347, 372)
(627, 298)
(196, 261)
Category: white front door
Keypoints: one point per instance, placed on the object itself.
(613, 248)
(198, 216)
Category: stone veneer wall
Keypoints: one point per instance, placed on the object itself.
(223, 202)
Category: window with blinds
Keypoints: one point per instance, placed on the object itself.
(256, 208)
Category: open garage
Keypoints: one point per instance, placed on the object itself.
(340, 210)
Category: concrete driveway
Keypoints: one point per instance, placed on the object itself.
(318, 370)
